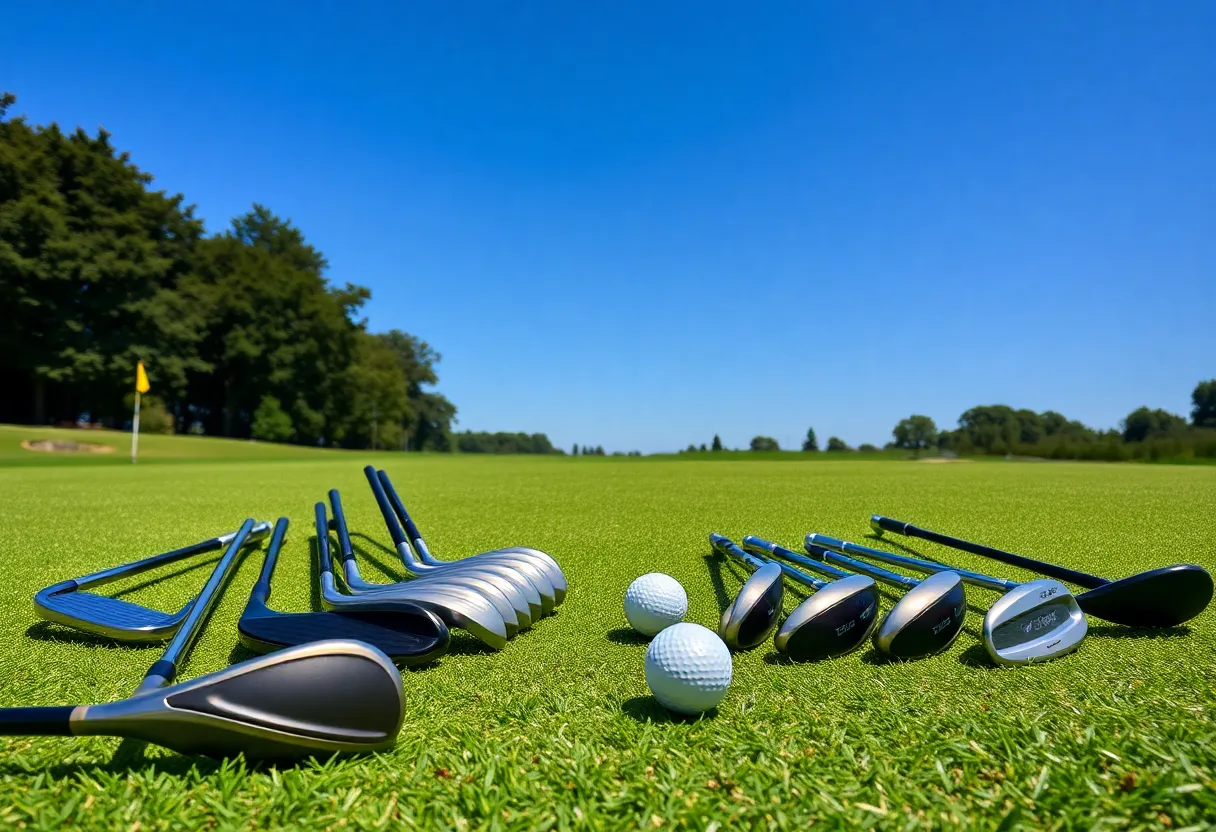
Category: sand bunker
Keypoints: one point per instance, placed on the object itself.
(54, 446)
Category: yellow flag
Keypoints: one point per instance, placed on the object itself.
(141, 379)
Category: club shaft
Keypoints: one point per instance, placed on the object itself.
(335, 506)
(727, 547)
(929, 567)
(262, 588)
(325, 563)
(753, 543)
(1060, 573)
(164, 670)
(121, 571)
(55, 720)
(875, 572)
(411, 529)
(386, 509)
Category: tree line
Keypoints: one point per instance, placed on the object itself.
(242, 333)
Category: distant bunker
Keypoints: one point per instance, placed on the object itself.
(55, 446)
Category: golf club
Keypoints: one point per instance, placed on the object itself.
(925, 621)
(1162, 597)
(407, 633)
(519, 567)
(546, 563)
(754, 612)
(456, 606)
(1032, 622)
(68, 604)
(511, 604)
(318, 698)
(836, 620)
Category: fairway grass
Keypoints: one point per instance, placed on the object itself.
(558, 729)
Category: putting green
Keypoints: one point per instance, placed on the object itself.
(558, 728)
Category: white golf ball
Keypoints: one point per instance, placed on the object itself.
(688, 668)
(654, 602)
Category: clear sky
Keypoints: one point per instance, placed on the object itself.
(637, 224)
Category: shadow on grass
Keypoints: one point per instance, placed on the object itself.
(648, 709)
(976, 656)
(48, 631)
(628, 636)
(1119, 631)
(209, 562)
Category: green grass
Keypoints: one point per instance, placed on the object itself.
(558, 729)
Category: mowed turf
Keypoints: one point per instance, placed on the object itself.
(559, 730)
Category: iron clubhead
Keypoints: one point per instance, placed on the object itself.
(754, 612)
(926, 620)
(108, 617)
(1038, 621)
(319, 698)
(834, 621)
(1164, 597)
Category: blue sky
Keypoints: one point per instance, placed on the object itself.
(640, 224)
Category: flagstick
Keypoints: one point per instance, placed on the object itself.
(135, 431)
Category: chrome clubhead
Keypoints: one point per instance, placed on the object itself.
(834, 621)
(754, 612)
(926, 620)
(315, 699)
(102, 615)
(1037, 621)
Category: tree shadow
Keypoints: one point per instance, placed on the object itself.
(627, 636)
(648, 709)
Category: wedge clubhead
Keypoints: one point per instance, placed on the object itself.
(753, 614)
(1164, 597)
(1032, 622)
(68, 603)
(835, 621)
(405, 632)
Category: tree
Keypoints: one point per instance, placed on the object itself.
(915, 432)
(867, 447)
(717, 445)
(1203, 399)
(702, 447)
(599, 450)
(1142, 424)
(764, 443)
(810, 443)
(271, 423)
(574, 451)
(837, 444)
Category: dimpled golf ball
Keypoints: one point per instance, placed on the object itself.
(654, 602)
(688, 668)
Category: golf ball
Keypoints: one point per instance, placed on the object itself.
(688, 668)
(654, 602)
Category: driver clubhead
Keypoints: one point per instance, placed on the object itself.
(926, 620)
(754, 612)
(1035, 622)
(1164, 597)
(834, 621)
(326, 697)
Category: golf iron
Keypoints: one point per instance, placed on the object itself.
(456, 606)
(68, 603)
(925, 621)
(318, 698)
(754, 612)
(836, 620)
(407, 633)
(1162, 597)
(522, 555)
(1031, 622)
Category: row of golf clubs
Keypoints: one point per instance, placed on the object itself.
(332, 686)
(1033, 621)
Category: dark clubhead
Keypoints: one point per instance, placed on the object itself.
(926, 620)
(1164, 597)
(754, 612)
(834, 621)
(407, 633)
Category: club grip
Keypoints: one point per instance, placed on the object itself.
(50, 721)
(885, 524)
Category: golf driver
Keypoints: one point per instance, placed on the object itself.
(754, 612)
(407, 633)
(68, 604)
(456, 606)
(1162, 597)
(512, 554)
(836, 620)
(512, 595)
(925, 621)
(318, 698)
(1032, 622)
